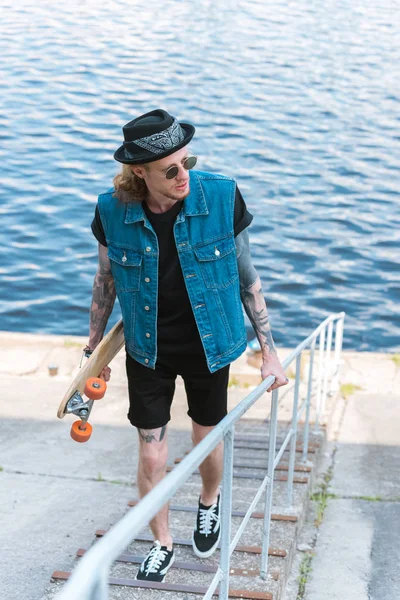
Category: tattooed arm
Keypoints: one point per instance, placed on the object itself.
(256, 310)
(103, 299)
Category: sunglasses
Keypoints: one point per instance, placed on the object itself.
(188, 164)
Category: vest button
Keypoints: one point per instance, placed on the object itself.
(147, 335)
(146, 360)
(147, 279)
(147, 308)
(148, 249)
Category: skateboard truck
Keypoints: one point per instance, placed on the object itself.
(87, 386)
(95, 388)
(78, 406)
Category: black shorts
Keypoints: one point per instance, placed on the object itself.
(151, 390)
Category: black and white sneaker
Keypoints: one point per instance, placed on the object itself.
(207, 532)
(156, 564)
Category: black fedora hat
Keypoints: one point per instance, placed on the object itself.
(151, 137)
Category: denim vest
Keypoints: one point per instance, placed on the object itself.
(205, 242)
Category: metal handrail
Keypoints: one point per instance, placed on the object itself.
(89, 581)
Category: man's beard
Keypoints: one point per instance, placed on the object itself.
(175, 197)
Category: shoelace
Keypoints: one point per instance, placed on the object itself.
(155, 558)
(207, 516)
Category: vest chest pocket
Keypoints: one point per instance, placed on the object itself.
(126, 268)
(217, 262)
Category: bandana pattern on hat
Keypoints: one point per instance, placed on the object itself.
(159, 142)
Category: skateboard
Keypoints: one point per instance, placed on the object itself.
(88, 383)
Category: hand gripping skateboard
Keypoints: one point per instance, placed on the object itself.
(87, 382)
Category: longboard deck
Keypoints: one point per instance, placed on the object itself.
(101, 357)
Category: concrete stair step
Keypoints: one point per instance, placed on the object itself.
(182, 525)
(193, 509)
(252, 479)
(123, 585)
(260, 463)
(191, 565)
(245, 587)
(244, 491)
(186, 542)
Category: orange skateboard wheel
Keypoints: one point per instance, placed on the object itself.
(81, 432)
(95, 388)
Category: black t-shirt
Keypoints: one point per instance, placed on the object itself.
(177, 331)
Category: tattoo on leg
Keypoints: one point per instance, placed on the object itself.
(149, 435)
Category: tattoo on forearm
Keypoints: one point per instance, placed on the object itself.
(103, 299)
(256, 309)
(150, 435)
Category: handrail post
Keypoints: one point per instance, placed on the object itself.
(308, 406)
(327, 367)
(100, 589)
(293, 440)
(226, 512)
(319, 376)
(273, 426)
(338, 349)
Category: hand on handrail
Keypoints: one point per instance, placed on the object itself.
(271, 366)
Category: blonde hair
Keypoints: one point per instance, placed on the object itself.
(128, 186)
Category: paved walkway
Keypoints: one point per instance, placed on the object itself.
(357, 554)
(54, 492)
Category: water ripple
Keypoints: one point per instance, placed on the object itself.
(300, 103)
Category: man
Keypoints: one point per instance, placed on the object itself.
(174, 247)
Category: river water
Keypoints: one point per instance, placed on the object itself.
(299, 101)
